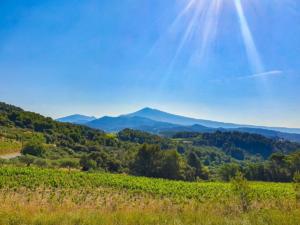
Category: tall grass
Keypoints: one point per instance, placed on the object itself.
(109, 207)
(49, 197)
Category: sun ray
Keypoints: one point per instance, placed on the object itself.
(188, 34)
(195, 31)
(210, 27)
(202, 28)
(250, 46)
(189, 6)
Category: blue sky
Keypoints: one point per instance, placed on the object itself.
(230, 60)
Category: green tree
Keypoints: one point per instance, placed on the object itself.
(147, 161)
(294, 160)
(278, 168)
(27, 159)
(228, 171)
(33, 148)
(87, 164)
(195, 163)
(170, 168)
(69, 163)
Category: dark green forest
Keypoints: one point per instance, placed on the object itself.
(184, 156)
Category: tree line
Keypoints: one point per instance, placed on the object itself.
(186, 156)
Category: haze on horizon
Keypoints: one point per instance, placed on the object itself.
(233, 61)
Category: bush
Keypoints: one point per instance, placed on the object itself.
(228, 171)
(34, 148)
(3, 161)
(297, 186)
(69, 163)
(87, 164)
(41, 162)
(241, 189)
(27, 159)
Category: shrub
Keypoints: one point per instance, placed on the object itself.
(69, 163)
(87, 164)
(297, 186)
(41, 162)
(27, 159)
(241, 189)
(228, 171)
(2, 162)
(33, 148)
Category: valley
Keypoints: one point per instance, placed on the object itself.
(149, 112)
(72, 174)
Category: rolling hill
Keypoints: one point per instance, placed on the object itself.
(63, 144)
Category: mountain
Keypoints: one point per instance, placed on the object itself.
(115, 124)
(163, 123)
(76, 119)
(161, 116)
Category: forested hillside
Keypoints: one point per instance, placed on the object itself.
(239, 144)
(185, 156)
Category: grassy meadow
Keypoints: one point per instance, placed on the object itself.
(32, 195)
(8, 146)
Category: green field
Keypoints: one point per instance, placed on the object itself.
(32, 195)
(32, 178)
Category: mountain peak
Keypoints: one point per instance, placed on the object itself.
(147, 109)
(147, 112)
(77, 119)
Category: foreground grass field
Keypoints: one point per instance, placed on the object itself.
(44, 196)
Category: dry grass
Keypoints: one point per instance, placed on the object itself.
(8, 146)
(33, 196)
(112, 207)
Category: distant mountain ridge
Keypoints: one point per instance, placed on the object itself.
(159, 122)
(77, 119)
(161, 116)
(115, 124)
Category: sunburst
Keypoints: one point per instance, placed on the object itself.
(251, 49)
(198, 24)
(202, 20)
(204, 23)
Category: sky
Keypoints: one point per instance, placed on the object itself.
(226, 60)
